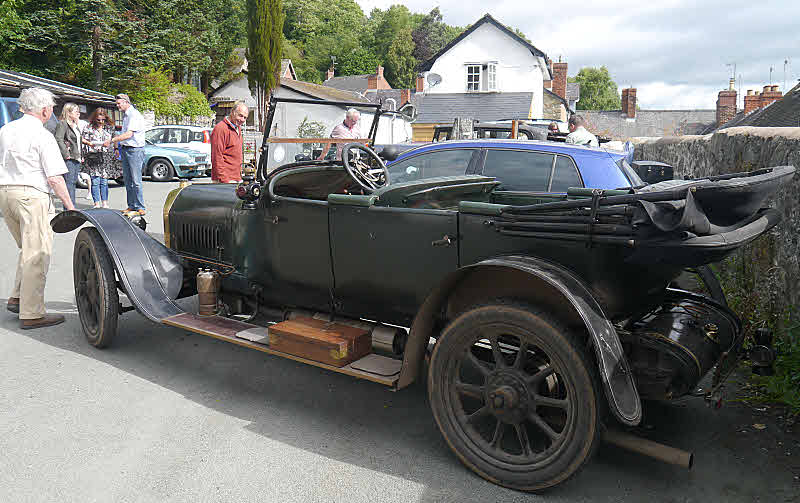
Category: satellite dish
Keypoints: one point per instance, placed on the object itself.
(434, 79)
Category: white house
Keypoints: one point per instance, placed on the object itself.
(487, 73)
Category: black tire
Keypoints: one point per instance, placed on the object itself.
(484, 394)
(95, 288)
(161, 170)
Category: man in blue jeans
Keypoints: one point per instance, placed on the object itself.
(131, 148)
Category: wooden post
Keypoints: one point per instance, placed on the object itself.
(514, 129)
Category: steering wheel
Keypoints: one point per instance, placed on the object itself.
(368, 177)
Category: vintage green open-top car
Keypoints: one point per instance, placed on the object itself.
(539, 326)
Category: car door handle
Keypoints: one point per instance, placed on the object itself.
(445, 241)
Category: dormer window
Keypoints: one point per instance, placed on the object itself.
(481, 77)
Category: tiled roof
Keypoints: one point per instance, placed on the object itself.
(485, 19)
(782, 113)
(440, 108)
(573, 91)
(381, 95)
(17, 81)
(613, 124)
(322, 92)
(357, 83)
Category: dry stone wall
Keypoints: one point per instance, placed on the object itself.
(773, 260)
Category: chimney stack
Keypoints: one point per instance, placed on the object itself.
(560, 79)
(629, 102)
(420, 83)
(726, 104)
(405, 97)
(770, 95)
(752, 101)
(376, 81)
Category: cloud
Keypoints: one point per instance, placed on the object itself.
(675, 48)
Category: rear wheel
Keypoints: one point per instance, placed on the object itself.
(95, 288)
(514, 397)
(161, 171)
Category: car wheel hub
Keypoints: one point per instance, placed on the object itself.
(507, 397)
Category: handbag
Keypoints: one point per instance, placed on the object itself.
(94, 157)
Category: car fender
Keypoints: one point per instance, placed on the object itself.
(617, 378)
(151, 274)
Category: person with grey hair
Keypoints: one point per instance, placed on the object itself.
(226, 145)
(68, 137)
(31, 168)
(578, 133)
(347, 129)
(131, 148)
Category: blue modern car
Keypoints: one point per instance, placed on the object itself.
(161, 164)
(521, 166)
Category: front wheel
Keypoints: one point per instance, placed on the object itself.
(513, 395)
(161, 171)
(95, 287)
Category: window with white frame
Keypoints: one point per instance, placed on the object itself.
(491, 77)
(481, 77)
(473, 78)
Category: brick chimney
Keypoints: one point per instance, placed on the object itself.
(726, 104)
(770, 95)
(377, 81)
(560, 79)
(629, 102)
(329, 74)
(752, 101)
(405, 96)
(420, 83)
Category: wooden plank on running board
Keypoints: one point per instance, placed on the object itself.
(319, 340)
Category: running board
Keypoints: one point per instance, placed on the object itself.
(375, 368)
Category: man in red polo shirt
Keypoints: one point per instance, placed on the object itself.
(226, 146)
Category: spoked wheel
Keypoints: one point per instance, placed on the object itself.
(95, 288)
(513, 396)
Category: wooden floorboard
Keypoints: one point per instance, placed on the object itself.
(225, 329)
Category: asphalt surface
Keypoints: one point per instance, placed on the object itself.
(164, 415)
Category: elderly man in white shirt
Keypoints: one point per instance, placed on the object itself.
(578, 133)
(31, 167)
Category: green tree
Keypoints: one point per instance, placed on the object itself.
(401, 61)
(429, 36)
(13, 29)
(264, 37)
(598, 90)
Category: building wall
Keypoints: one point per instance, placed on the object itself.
(553, 109)
(775, 257)
(517, 70)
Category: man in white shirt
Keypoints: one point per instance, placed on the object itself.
(578, 133)
(131, 148)
(347, 129)
(31, 167)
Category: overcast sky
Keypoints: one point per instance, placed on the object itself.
(673, 51)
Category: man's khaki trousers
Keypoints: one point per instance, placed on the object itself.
(27, 212)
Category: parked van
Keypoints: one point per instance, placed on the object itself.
(9, 110)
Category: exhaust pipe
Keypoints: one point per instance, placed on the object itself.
(649, 448)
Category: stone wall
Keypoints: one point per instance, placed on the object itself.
(774, 259)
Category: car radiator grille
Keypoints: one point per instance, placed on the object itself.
(203, 239)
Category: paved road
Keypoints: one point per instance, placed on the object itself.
(164, 415)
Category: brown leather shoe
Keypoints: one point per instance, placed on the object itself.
(13, 304)
(47, 320)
